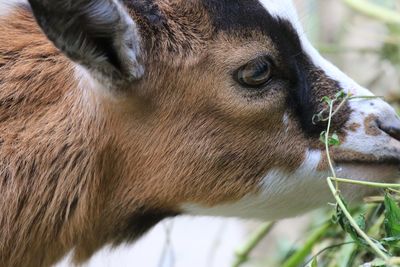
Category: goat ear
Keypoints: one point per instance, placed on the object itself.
(98, 34)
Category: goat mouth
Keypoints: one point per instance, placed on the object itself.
(381, 161)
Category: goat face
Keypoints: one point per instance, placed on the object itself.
(214, 103)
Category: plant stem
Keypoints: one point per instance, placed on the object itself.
(394, 190)
(299, 257)
(394, 261)
(344, 101)
(167, 249)
(242, 254)
(375, 11)
(338, 108)
(365, 183)
(216, 244)
(366, 97)
(327, 141)
(353, 222)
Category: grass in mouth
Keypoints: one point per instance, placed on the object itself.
(363, 236)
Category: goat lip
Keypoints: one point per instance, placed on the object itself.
(381, 161)
(352, 157)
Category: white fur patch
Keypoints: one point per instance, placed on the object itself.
(7, 5)
(281, 194)
(284, 195)
(93, 92)
(285, 121)
(282, 9)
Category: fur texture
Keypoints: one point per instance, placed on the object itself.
(87, 159)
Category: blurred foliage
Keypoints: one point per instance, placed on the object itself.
(385, 14)
(391, 48)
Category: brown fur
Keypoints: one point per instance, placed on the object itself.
(80, 169)
(354, 127)
(370, 125)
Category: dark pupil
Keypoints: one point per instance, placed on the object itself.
(256, 73)
(261, 70)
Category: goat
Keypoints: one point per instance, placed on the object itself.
(116, 114)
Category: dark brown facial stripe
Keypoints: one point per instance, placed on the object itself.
(311, 85)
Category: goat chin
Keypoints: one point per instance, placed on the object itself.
(382, 173)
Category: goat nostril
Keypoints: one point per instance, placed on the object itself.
(392, 129)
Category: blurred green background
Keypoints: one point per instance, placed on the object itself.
(362, 37)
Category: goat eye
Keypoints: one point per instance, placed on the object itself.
(255, 73)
